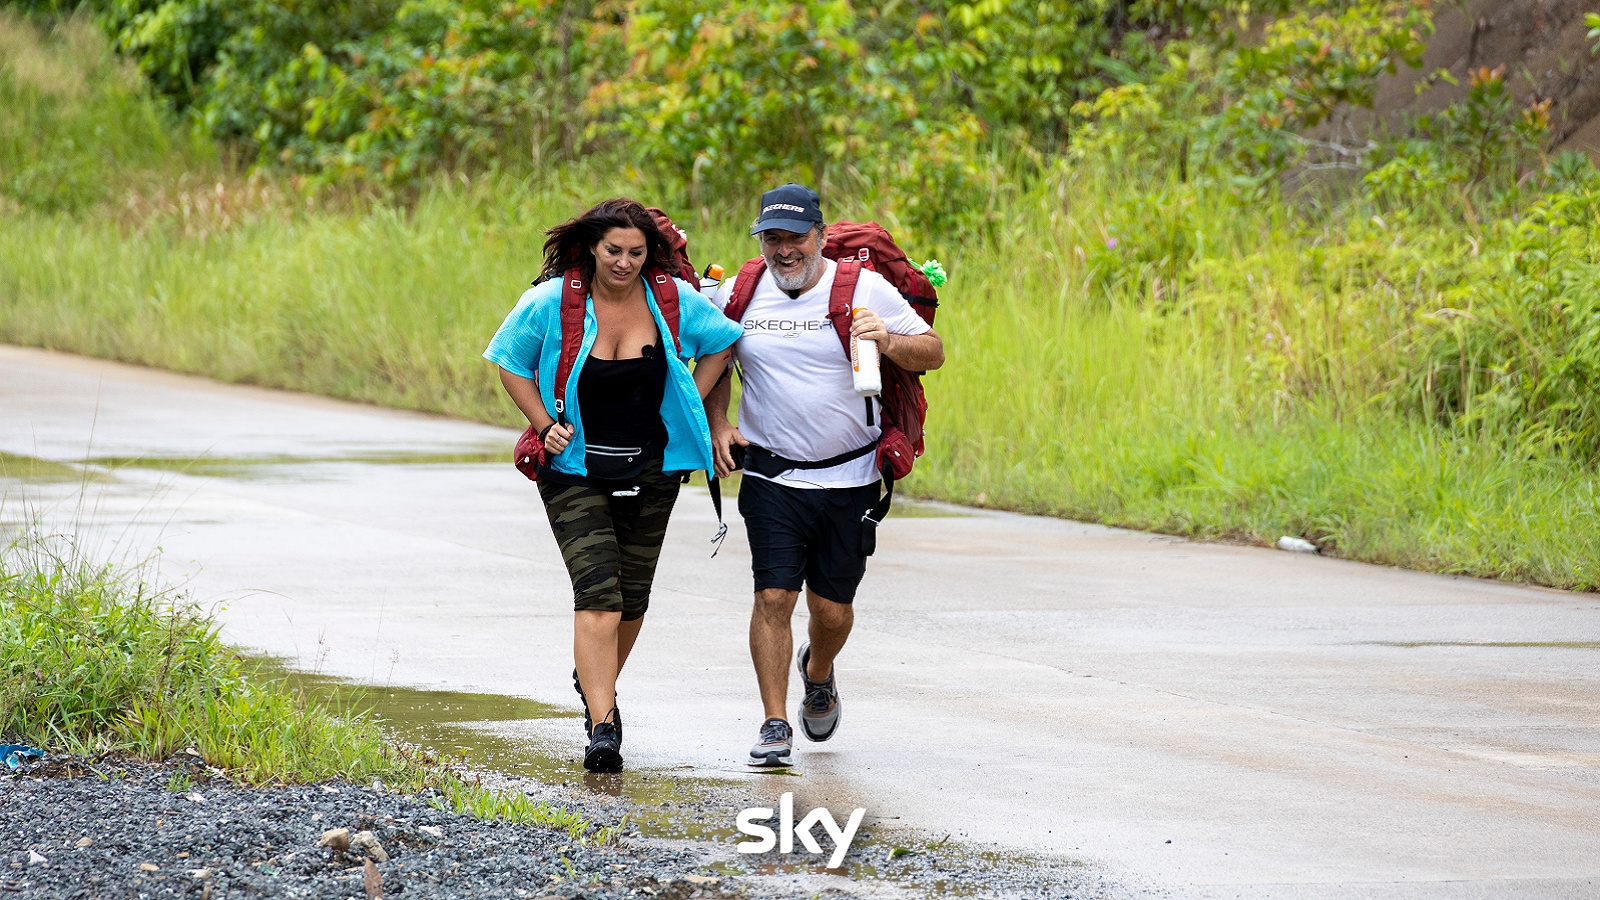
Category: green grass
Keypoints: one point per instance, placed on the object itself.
(1226, 370)
(78, 127)
(95, 660)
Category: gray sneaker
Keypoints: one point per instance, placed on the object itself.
(820, 710)
(775, 745)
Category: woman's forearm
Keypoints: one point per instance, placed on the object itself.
(708, 370)
(525, 393)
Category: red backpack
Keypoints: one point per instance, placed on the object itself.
(530, 452)
(679, 241)
(904, 404)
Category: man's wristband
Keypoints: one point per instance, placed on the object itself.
(545, 431)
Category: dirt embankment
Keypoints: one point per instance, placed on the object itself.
(1543, 46)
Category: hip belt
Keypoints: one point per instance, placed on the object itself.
(764, 462)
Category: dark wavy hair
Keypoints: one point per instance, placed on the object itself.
(572, 242)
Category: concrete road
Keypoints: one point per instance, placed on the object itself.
(1215, 721)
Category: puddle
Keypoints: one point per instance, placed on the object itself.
(244, 468)
(1558, 645)
(32, 468)
(240, 467)
(462, 726)
(440, 721)
(668, 805)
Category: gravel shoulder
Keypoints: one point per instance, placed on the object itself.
(79, 828)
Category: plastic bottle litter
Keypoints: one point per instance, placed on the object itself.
(864, 364)
(1296, 545)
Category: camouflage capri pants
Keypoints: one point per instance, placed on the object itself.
(611, 544)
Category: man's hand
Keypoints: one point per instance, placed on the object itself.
(868, 326)
(914, 352)
(723, 439)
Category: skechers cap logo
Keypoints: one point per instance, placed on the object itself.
(786, 207)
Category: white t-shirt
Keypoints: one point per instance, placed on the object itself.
(799, 400)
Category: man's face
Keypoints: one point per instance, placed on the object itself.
(795, 259)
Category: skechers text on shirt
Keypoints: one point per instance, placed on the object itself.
(798, 397)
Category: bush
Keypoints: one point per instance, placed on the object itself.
(92, 660)
(77, 118)
(1515, 349)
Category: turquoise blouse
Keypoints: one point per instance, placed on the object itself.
(529, 344)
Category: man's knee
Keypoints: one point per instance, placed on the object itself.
(829, 614)
(775, 603)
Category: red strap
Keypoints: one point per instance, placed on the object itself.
(574, 305)
(574, 297)
(666, 291)
(842, 298)
(744, 287)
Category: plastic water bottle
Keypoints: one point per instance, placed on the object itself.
(864, 364)
(711, 278)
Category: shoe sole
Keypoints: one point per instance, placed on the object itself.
(838, 705)
(771, 760)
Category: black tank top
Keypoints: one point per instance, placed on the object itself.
(620, 401)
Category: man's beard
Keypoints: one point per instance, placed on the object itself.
(810, 270)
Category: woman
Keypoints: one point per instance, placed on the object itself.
(630, 424)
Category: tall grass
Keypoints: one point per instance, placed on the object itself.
(92, 660)
(1136, 353)
(1166, 413)
(78, 126)
(97, 659)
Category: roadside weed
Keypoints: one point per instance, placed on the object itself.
(97, 660)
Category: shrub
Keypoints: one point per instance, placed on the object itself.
(1515, 349)
(77, 118)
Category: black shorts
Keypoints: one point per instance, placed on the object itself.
(809, 537)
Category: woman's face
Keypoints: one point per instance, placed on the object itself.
(619, 257)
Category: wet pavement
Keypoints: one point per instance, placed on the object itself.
(1197, 720)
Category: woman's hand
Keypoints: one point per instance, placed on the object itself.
(556, 438)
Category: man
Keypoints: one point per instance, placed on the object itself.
(799, 407)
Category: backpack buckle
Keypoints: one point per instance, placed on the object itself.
(660, 278)
(865, 254)
(577, 285)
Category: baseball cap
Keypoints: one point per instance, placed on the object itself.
(792, 207)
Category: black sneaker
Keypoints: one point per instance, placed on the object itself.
(605, 747)
(588, 724)
(775, 745)
(821, 710)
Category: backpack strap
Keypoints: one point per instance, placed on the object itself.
(841, 311)
(574, 305)
(574, 301)
(666, 291)
(841, 299)
(744, 288)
